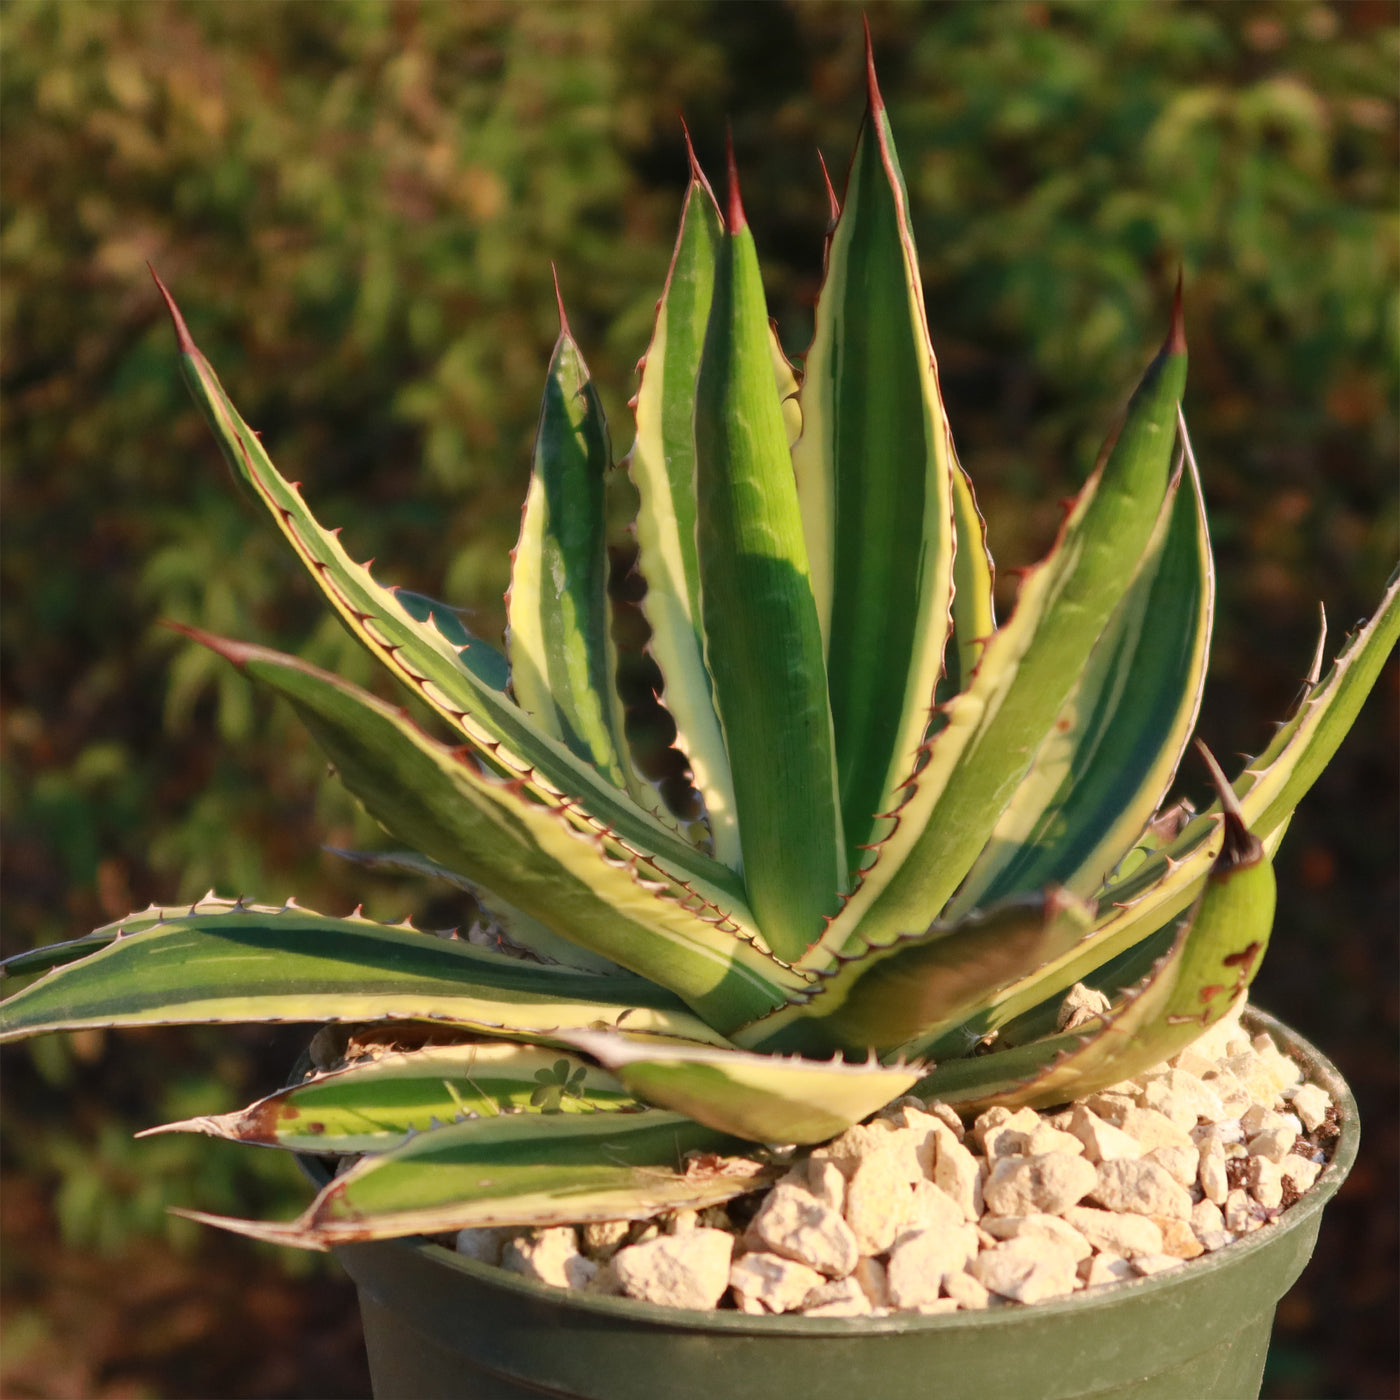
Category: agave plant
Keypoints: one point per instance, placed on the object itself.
(916, 829)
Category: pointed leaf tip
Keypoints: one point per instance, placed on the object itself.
(1240, 847)
(1176, 335)
(696, 174)
(833, 203)
(182, 334)
(737, 220)
(230, 650)
(559, 302)
(877, 103)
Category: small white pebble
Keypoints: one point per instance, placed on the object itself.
(1214, 1180)
(1149, 1264)
(1081, 1005)
(842, 1297)
(1310, 1103)
(1301, 1171)
(485, 1243)
(1240, 1212)
(966, 1291)
(1265, 1182)
(949, 1116)
(1206, 1216)
(1211, 1240)
(1106, 1268)
(1273, 1143)
(1180, 1163)
(779, 1284)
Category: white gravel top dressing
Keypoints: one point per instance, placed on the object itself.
(914, 1211)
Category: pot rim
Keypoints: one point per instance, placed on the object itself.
(1318, 1069)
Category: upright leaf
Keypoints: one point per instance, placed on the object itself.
(874, 471)
(662, 467)
(973, 613)
(557, 636)
(762, 638)
(993, 729)
(1138, 905)
(422, 642)
(1105, 766)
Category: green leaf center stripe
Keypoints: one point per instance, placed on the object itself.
(373, 1104)
(1268, 789)
(994, 728)
(557, 639)
(263, 964)
(763, 643)
(521, 1169)
(553, 863)
(874, 424)
(662, 467)
(1104, 768)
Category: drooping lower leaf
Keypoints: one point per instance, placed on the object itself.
(521, 1169)
(519, 928)
(37, 960)
(376, 1104)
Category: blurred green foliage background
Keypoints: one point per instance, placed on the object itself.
(357, 204)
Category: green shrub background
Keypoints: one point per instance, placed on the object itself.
(358, 205)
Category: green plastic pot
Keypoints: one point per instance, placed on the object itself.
(438, 1326)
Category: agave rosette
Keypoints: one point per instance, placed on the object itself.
(920, 828)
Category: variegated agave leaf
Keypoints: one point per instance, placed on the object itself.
(764, 1098)
(521, 1169)
(254, 963)
(381, 1101)
(919, 829)
(1212, 960)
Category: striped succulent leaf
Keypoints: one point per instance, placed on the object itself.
(379, 1102)
(919, 829)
